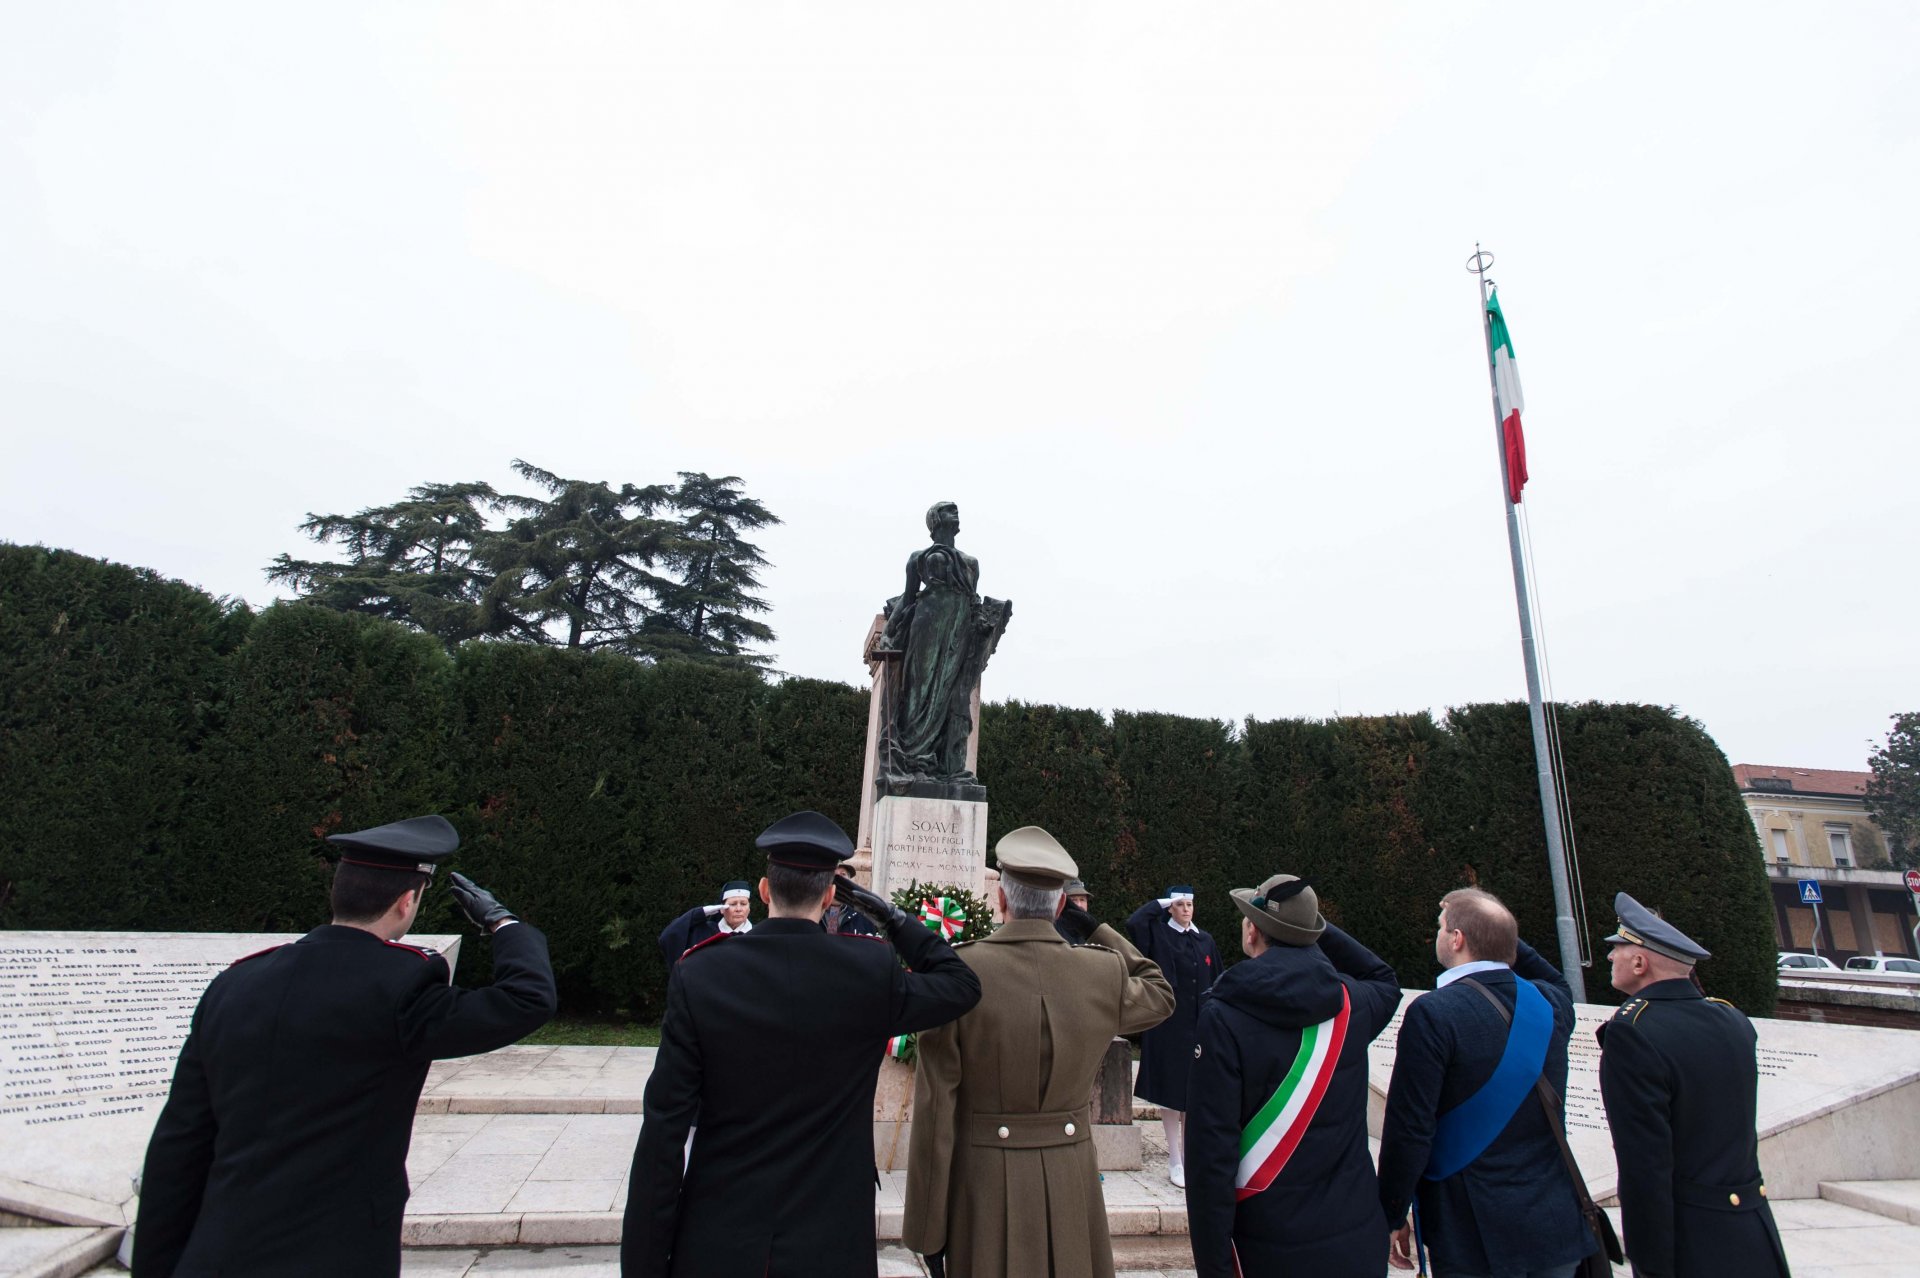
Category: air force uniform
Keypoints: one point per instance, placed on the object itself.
(1678, 1075)
(282, 1147)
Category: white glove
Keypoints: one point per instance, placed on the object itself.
(714, 909)
(1164, 902)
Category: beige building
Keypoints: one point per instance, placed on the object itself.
(1813, 827)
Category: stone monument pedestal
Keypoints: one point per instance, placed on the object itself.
(929, 841)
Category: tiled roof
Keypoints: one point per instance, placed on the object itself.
(1776, 780)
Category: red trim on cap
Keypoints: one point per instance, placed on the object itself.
(256, 954)
(717, 936)
(419, 951)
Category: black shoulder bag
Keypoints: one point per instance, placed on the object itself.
(1600, 1263)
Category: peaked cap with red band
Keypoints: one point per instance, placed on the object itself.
(417, 843)
(805, 841)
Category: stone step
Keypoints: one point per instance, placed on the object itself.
(1154, 1259)
(55, 1251)
(500, 1180)
(1895, 1199)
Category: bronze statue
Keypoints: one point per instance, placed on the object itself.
(938, 637)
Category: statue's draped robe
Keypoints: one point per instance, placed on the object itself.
(934, 716)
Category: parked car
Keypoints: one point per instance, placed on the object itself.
(1892, 966)
(1790, 961)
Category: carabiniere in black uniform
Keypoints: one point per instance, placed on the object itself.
(1680, 1080)
(282, 1149)
(775, 1038)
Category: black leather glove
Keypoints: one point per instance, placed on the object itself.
(1078, 923)
(480, 906)
(889, 917)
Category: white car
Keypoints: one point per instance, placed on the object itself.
(1792, 962)
(1891, 966)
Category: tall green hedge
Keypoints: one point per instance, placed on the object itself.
(109, 683)
(171, 761)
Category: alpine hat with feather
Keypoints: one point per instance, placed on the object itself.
(1284, 908)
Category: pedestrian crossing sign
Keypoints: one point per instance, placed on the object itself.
(1809, 892)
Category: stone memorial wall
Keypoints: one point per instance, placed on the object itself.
(90, 1026)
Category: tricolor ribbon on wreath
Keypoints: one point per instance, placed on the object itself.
(943, 916)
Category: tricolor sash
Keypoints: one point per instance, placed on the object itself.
(1274, 1133)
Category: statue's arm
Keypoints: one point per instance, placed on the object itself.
(895, 634)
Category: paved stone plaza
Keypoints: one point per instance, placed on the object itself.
(519, 1167)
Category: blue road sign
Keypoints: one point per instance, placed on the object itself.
(1810, 892)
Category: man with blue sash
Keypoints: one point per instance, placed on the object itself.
(1466, 1142)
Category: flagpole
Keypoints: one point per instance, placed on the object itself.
(1549, 792)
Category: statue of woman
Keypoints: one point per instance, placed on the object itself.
(942, 636)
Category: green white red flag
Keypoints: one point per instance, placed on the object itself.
(1506, 389)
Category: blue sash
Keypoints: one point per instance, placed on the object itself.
(1463, 1133)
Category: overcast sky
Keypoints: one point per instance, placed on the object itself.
(1170, 299)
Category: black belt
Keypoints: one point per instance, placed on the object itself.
(1746, 1197)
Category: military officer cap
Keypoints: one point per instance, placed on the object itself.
(417, 843)
(1285, 908)
(1033, 858)
(738, 887)
(805, 841)
(1640, 926)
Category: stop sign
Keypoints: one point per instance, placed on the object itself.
(1913, 881)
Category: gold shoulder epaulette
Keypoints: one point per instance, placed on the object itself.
(1721, 1001)
(1630, 1010)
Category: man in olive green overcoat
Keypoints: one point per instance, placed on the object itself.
(1002, 1179)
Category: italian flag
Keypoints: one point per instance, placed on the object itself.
(1275, 1132)
(1506, 389)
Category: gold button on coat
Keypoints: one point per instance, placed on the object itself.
(1734, 1199)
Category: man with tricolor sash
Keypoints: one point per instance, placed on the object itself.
(1279, 1180)
(1467, 1142)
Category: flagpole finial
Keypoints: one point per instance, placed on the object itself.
(1481, 262)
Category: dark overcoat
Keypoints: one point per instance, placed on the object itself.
(687, 931)
(1191, 964)
(774, 1039)
(282, 1148)
(1321, 1217)
(1680, 1081)
(1513, 1209)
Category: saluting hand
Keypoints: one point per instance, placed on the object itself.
(481, 907)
